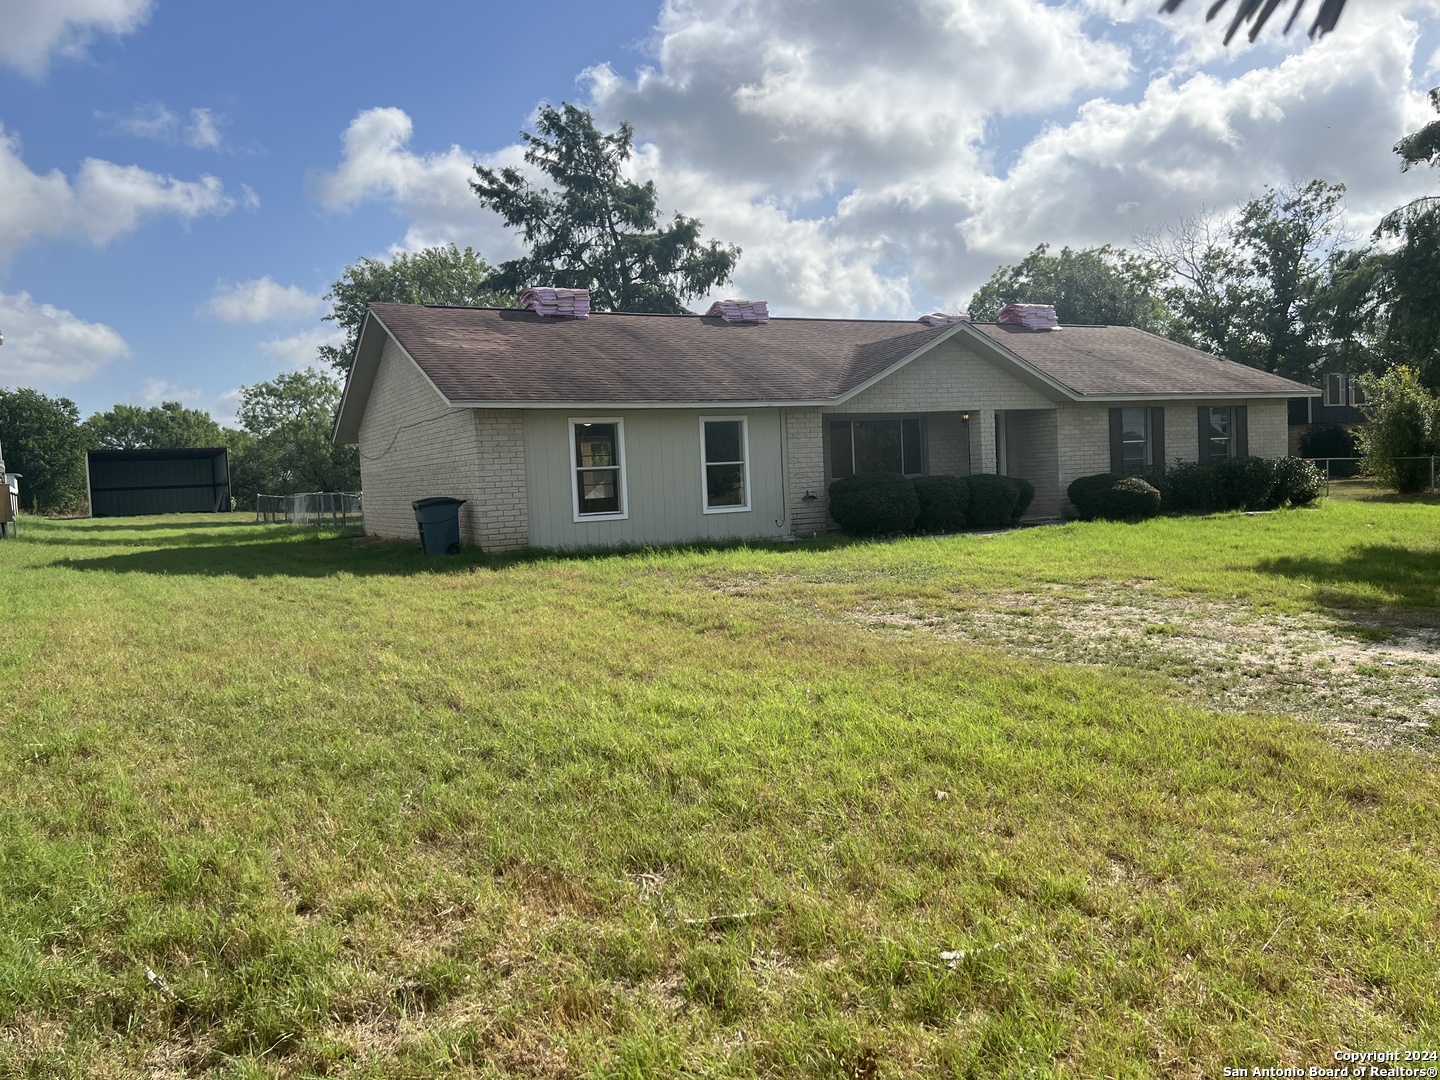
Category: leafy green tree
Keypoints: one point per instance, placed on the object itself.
(1414, 266)
(286, 445)
(1403, 429)
(596, 229)
(436, 275)
(1252, 288)
(1093, 285)
(43, 440)
(161, 427)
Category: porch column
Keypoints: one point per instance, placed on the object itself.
(982, 440)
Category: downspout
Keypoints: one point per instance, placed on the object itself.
(784, 517)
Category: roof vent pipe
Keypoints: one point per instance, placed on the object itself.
(557, 303)
(941, 318)
(1030, 316)
(741, 311)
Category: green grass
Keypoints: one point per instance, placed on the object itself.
(666, 813)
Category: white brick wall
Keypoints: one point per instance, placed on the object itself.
(805, 469)
(413, 445)
(504, 522)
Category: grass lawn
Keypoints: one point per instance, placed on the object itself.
(284, 803)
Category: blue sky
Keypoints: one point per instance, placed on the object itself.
(184, 180)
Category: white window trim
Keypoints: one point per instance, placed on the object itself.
(1232, 442)
(705, 480)
(624, 480)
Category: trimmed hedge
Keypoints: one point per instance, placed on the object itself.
(1025, 495)
(943, 502)
(993, 501)
(1202, 487)
(1297, 482)
(1113, 497)
(874, 504)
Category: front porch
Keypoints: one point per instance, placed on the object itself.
(1022, 443)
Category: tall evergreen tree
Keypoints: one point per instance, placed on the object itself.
(597, 229)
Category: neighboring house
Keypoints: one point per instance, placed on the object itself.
(629, 428)
(1337, 404)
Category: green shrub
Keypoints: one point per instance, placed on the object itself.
(1024, 496)
(1085, 491)
(993, 500)
(1191, 488)
(1332, 440)
(1403, 430)
(1114, 498)
(875, 504)
(1246, 483)
(943, 502)
(1297, 482)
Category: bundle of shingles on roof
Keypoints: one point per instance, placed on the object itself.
(741, 311)
(1030, 316)
(557, 303)
(941, 318)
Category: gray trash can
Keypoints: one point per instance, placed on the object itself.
(439, 521)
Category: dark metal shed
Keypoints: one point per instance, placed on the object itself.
(127, 483)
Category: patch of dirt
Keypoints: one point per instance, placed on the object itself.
(1374, 693)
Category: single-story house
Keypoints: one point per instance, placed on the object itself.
(634, 428)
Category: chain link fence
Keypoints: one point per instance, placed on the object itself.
(1345, 474)
(339, 509)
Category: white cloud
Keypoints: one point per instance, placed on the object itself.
(204, 131)
(103, 202)
(154, 391)
(37, 31)
(298, 350)
(432, 191)
(223, 408)
(46, 345)
(875, 159)
(261, 300)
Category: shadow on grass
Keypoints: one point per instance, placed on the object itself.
(302, 554)
(1411, 578)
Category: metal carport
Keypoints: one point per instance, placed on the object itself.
(127, 483)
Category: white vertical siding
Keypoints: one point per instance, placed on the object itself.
(662, 477)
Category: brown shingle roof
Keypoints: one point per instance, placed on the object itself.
(492, 354)
(1121, 361)
(505, 355)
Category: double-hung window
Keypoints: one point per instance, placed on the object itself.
(597, 468)
(1223, 432)
(725, 464)
(1137, 439)
(870, 446)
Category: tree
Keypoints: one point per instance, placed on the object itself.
(286, 445)
(1414, 266)
(1250, 288)
(1261, 10)
(1092, 285)
(44, 442)
(436, 275)
(597, 230)
(166, 426)
(1403, 429)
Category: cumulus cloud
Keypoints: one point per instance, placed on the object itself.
(154, 391)
(37, 31)
(432, 191)
(203, 131)
(103, 202)
(877, 159)
(46, 345)
(299, 350)
(260, 300)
